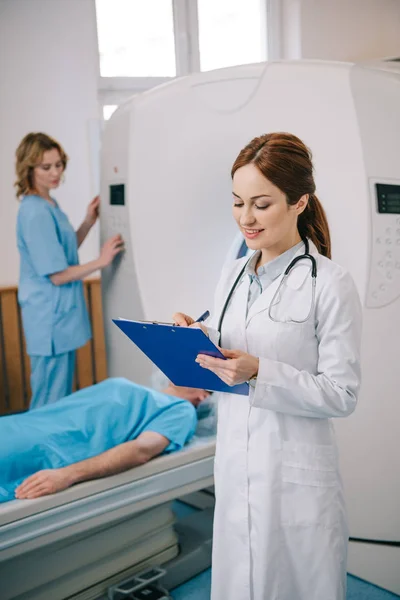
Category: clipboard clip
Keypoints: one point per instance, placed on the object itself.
(156, 323)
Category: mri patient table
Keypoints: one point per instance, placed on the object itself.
(76, 543)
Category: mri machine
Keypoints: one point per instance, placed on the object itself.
(166, 161)
(167, 165)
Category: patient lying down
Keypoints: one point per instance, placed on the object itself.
(99, 431)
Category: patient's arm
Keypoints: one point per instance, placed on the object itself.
(118, 459)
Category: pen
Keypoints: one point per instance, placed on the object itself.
(203, 317)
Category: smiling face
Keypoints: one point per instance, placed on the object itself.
(262, 213)
(47, 174)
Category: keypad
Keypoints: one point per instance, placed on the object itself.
(119, 224)
(385, 273)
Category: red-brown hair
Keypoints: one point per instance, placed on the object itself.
(286, 162)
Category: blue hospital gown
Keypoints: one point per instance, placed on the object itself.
(85, 424)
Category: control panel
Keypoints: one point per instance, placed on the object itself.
(118, 222)
(117, 194)
(384, 283)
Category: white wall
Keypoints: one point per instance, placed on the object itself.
(351, 30)
(48, 82)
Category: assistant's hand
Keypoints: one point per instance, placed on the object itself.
(42, 483)
(113, 246)
(239, 368)
(92, 212)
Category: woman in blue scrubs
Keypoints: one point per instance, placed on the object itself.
(50, 292)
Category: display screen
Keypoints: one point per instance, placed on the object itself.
(388, 198)
(117, 195)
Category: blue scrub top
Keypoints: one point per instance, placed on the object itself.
(55, 318)
(86, 424)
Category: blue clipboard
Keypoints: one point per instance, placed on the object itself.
(174, 350)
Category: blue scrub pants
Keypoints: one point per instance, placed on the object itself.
(51, 378)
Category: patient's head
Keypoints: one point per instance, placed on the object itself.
(193, 395)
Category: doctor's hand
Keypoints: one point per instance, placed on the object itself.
(42, 483)
(182, 320)
(92, 212)
(185, 321)
(239, 367)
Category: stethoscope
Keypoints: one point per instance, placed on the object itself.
(276, 298)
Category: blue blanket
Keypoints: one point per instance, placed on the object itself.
(85, 424)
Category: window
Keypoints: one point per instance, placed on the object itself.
(108, 110)
(231, 32)
(144, 43)
(136, 38)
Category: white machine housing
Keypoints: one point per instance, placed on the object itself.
(171, 150)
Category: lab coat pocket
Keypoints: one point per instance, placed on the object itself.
(294, 341)
(311, 492)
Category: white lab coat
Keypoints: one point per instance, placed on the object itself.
(280, 530)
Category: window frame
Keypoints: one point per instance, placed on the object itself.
(115, 90)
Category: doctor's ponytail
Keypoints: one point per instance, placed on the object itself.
(313, 224)
(286, 162)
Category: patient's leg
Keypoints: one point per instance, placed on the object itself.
(113, 461)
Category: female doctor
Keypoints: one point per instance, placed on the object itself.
(50, 289)
(280, 530)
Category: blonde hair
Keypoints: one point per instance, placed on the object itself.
(28, 155)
